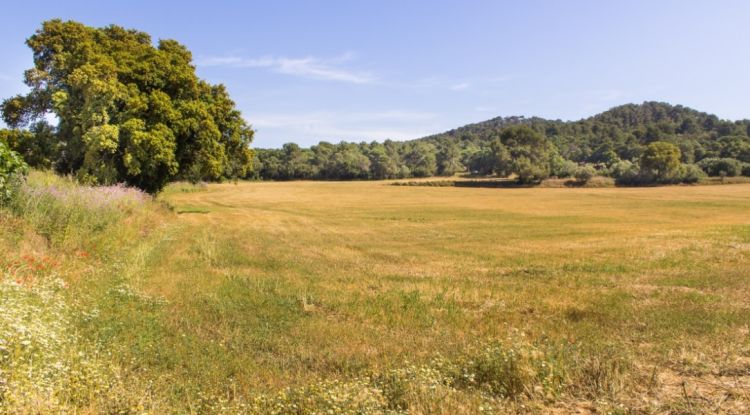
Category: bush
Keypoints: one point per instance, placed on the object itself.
(12, 168)
(690, 173)
(584, 173)
(746, 170)
(625, 173)
(564, 169)
(720, 166)
(528, 172)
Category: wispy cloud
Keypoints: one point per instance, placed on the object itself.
(311, 127)
(474, 84)
(312, 67)
(460, 86)
(274, 120)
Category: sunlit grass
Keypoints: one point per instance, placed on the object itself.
(367, 298)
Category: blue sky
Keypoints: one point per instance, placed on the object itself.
(306, 71)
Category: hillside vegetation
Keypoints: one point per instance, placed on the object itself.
(612, 143)
(309, 297)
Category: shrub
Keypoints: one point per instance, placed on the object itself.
(564, 169)
(720, 166)
(625, 173)
(690, 173)
(584, 173)
(12, 167)
(746, 169)
(528, 172)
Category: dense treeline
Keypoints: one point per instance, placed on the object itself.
(132, 112)
(531, 149)
(346, 161)
(127, 111)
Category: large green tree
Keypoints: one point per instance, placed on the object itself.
(129, 111)
(421, 159)
(660, 161)
(382, 165)
(522, 151)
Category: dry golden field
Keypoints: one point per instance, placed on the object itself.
(291, 282)
(363, 297)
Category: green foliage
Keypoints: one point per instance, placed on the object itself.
(627, 173)
(449, 159)
(128, 111)
(660, 161)
(563, 168)
(421, 159)
(691, 173)
(623, 168)
(735, 147)
(38, 145)
(721, 167)
(584, 173)
(350, 163)
(522, 151)
(382, 164)
(12, 167)
(532, 149)
(482, 162)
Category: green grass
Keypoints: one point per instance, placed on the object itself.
(365, 297)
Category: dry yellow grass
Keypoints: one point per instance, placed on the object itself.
(365, 298)
(284, 283)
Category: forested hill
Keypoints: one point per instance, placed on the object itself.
(625, 129)
(539, 147)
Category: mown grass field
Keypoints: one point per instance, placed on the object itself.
(620, 300)
(282, 283)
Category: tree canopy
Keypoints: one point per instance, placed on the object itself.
(530, 149)
(128, 111)
(661, 160)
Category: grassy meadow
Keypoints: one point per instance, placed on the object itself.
(362, 297)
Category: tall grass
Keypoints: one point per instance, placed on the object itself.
(67, 214)
(52, 229)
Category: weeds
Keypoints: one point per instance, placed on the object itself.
(67, 214)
